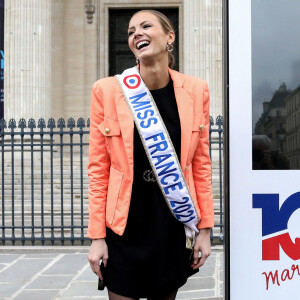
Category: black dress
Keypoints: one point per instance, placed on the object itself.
(150, 259)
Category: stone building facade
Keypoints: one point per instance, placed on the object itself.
(53, 55)
(280, 121)
(292, 103)
(274, 117)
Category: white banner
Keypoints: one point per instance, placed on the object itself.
(264, 215)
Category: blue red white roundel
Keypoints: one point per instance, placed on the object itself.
(132, 81)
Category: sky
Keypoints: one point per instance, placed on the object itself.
(275, 49)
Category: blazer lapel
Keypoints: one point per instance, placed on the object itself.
(126, 124)
(185, 110)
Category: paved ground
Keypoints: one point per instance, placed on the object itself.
(42, 273)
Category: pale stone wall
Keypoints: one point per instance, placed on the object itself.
(27, 59)
(57, 30)
(57, 74)
(52, 56)
(74, 59)
(202, 46)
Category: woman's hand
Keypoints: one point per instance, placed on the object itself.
(202, 244)
(98, 251)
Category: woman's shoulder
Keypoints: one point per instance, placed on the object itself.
(191, 80)
(188, 81)
(107, 83)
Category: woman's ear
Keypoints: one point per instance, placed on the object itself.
(171, 37)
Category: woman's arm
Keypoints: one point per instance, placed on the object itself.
(201, 165)
(98, 168)
(98, 172)
(98, 251)
(202, 245)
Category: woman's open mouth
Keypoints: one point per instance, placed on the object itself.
(142, 44)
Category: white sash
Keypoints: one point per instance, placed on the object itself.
(160, 151)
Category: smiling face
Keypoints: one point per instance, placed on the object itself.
(147, 38)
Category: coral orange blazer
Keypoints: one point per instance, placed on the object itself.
(110, 167)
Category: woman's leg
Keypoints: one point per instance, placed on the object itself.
(171, 296)
(113, 296)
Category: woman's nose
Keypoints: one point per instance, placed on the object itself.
(137, 33)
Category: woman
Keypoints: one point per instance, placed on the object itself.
(132, 225)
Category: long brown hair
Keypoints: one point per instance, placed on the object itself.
(166, 26)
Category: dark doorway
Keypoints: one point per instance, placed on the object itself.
(120, 56)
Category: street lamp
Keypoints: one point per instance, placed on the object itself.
(89, 10)
(281, 135)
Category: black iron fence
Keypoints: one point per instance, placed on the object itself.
(216, 145)
(44, 182)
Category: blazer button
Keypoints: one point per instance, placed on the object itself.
(107, 130)
(201, 127)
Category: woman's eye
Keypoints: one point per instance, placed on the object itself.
(130, 33)
(147, 25)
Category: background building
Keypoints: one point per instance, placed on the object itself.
(280, 121)
(54, 51)
(292, 103)
(274, 117)
(53, 55)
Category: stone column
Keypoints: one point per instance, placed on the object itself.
(203, 58)
(203, 46)
(27, 50)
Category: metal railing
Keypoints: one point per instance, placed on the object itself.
(38, 195)
(216, 139)
(44, 182)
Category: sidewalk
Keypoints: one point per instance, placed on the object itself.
(42, 273)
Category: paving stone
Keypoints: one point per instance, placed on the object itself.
(222, 275)
(8, 258)
(37, 295)
(83, 251)
(68, 264)
(83, 298)
(205, 283)
(208, 269)
(41, 255)
(23, 270)
(8, 289)
(88, 275)
(54, 280)
(222, 288)
(221, 258)
(50, 282)
(195, 294)
(86, 289)
(213, 253)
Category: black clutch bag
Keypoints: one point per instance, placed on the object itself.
(101, 283)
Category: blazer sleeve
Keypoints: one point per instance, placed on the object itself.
(201, 165)
(98, 168)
